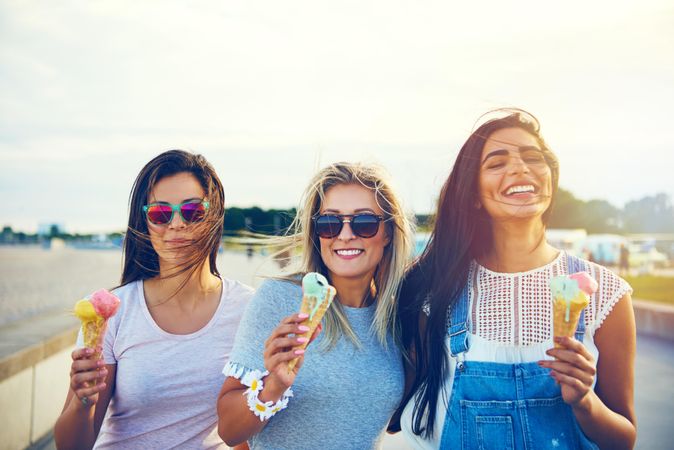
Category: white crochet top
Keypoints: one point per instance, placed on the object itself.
(511, 322)
(516, 308)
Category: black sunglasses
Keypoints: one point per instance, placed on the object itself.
(329, 226)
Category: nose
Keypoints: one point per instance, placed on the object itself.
(346, 233)
(177, 221)
(517, 165)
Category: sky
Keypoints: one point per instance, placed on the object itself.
(270, 91)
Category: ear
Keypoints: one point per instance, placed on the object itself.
(387, 236)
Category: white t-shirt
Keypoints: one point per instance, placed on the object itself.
(510, 321)
(167, 385)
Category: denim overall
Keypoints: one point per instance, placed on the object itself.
(506, 406)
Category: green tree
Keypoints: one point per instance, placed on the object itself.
(652, 214)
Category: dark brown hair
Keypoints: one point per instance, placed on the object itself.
(140, 260)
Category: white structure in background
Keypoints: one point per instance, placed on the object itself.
(605, 248)
(570, 240)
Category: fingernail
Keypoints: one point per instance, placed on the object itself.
(99, 363)
(299, 351)
(88, 351)
(302, 340)
(303, 315)
(303, 328)
(101, 385)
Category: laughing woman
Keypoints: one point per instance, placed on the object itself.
(352, 230)
(163, 351)
(476, 314)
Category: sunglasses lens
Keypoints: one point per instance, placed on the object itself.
(193, 212)
(328, 226)
(365, 225)
(159, 214)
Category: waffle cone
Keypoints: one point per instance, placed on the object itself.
(561, 326)
(313, 322)
(93, 331)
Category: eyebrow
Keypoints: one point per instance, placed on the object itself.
(500, 152)
(504, 152)
(356, 211)
(184, 201)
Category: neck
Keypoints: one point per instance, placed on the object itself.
(352, 292)
(184, 286)
(518, 246)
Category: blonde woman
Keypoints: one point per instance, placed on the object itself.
(341, 394)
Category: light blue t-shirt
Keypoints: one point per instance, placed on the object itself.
(343, 398)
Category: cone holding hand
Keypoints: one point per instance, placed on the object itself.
(317, 295)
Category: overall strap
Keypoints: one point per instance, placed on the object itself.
(458, 324)
(577, 265)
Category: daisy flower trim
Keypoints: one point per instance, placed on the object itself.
(263, 410)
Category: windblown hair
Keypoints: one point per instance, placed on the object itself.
(461, 233)
(140, 261)
(388, 275)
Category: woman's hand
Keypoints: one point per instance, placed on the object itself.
(573, 368)
(87, 376)
(280, 349)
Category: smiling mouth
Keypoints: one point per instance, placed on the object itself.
(349, 252)
(520, 189)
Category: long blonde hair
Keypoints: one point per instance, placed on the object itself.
(390, 271)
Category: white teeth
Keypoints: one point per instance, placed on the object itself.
(349, 252)
(518, 189)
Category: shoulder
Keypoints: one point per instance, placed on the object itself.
(279, 291)
(235, 291)
(275, 297)
(130, 295)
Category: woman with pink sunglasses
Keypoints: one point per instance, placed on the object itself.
(163, 352)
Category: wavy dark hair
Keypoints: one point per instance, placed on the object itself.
(461, 233)
(140, 260)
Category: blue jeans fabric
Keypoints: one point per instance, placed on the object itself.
(506, 406)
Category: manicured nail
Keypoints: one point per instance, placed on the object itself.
(302, 340)
(299, 351)
(101, 385)
(88, 351)
(303, 328)
(303, 315)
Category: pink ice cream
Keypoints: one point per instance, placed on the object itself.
(585, 282)
(104, 303)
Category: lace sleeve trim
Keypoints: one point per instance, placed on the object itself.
(236, 370)
(607, 307)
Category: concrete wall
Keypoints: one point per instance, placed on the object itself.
(34, 377)
(32, 400)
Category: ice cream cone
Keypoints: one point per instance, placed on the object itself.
(570, 295)
(563, 324)
(94, 314)
(316, 299)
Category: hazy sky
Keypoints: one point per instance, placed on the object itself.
(270, 90)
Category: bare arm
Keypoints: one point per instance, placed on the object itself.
(78, 425)
(606, 414)
(236, 422)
